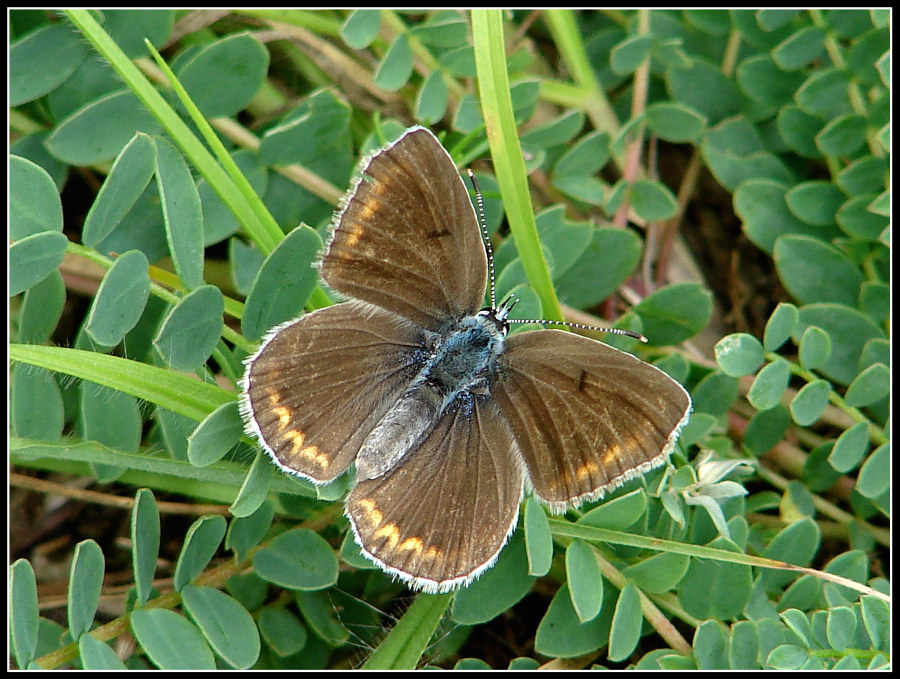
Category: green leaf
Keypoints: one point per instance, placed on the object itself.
(181, 212)
(743, 650)
(840, 627)
(825, 93)
(810, 401)
(676, 123)
(560, 130)
(815, 202)
(787, 657)
(23, 612)
(609, 259)
(226, 625)
(850, 448)
(35, 404)
(85, 583)
(815, 347)
(658, 573)
(628, 55)
(283, 284)
(626, 624)
(739, 354)
(170, 641)
(42, 60)
(497, 589)
(126, 181)
(796, 544)
(317, 609)
(200, 544)
(219, 222)
(360, 27)
(562, 635)
(245, 532)
(801, 48)
(97, 655)
(432, 99)
(799, 129)
(282, 630)
(876, 617)
(711, 646)
(120, 300)
(870, 386)
(396, 67)
(587, 189)
(713, 589)
(110, 417)
(145, 533)
(780, 326)
(299, 559)
(769, 385)
(766, 429)
(255, 489)
(586, 157)
(762, 206)
(674, 313)
(34, 258)
(34, 203)
(843, 136)
(443, 29)
(704, 88)
(130, 28)
(216, 435)
(857, 219)
(864, 175)
(618, 513)
(875, 300)
(848, 330)
(698, 426)
(223, 76)
(98, 131)
(538, 538)
(653, 201)
(715, 393)
(761, 79)
(191, 329)
(584, 579)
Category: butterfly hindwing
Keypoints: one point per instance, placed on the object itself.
(442, 516)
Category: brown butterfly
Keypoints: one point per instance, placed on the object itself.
(445, 416)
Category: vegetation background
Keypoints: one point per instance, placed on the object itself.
(718, 180)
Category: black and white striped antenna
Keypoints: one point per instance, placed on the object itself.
(508, 304)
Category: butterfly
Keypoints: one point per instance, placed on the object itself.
(446, 416)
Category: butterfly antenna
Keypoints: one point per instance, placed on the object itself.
(489, 249)
(580, 326)
(511, 302)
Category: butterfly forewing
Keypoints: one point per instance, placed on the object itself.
(586, 417)
(319, 384)
(441, 517)
(407, 238)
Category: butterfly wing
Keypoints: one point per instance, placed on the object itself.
(407, 237)
(320, 383)
(442, 516)
(586, 417)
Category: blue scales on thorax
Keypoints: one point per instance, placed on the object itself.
(457, 367)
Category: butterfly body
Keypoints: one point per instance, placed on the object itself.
(456, 369)
(444, 415)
